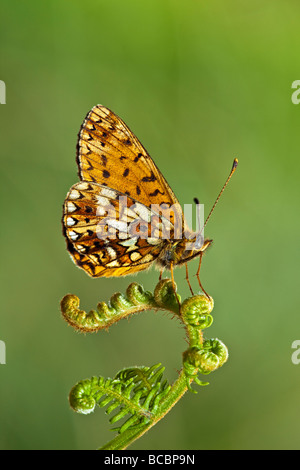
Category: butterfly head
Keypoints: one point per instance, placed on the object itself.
(180, 251)
(192, 249)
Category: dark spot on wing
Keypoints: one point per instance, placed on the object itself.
(138, 157)
(149, 179)
(93, 179)
(156, 192)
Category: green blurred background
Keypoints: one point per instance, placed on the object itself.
(199, 82)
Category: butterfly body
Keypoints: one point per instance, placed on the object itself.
(122, 216)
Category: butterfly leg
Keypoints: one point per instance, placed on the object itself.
(187, 278)
(174, 287)
(160, 274)
(198, 276)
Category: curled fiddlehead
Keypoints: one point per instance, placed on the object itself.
(119, 306)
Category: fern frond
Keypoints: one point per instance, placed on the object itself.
(140, 396)
(136, 392)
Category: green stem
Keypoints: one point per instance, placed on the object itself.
(195, 336)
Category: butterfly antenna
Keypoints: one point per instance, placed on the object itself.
(196, 201)
(234, 166)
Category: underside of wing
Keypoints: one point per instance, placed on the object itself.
(109, 233)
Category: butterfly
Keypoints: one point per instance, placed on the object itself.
(122, 216)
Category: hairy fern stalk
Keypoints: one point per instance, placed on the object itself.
(139, 396)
